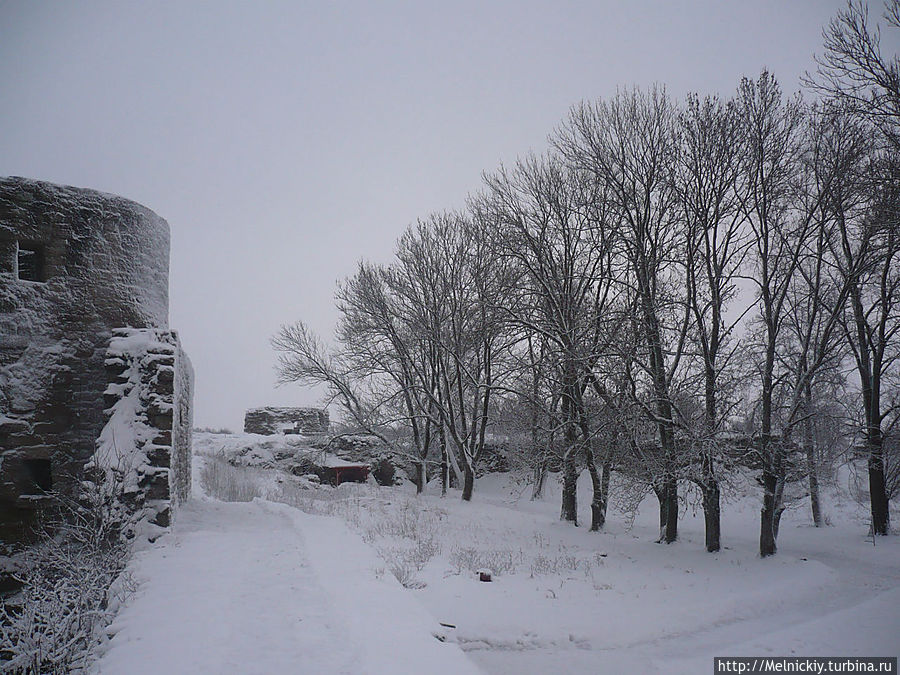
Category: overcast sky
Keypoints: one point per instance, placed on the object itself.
(284, 141)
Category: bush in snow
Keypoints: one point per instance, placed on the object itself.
(543, 565)
(73, 581)
(403, 566)
(229, 483)
(503, 561)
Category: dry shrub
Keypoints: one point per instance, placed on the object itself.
(73, 582)
(500, 561)
(229, 483)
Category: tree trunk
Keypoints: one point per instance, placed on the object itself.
(468, 481)
(779, 499)
(778, 511)
(660, 493)
(455, 471)
(769, 475)
(767, 517)
(598, 500)
(445, 462)
(421, 477)
(604, 485)
(541, 479)
(671, 510)
(869, 362)
(663, 407)
(711, 515)
(810, 451)
(569, 511)
(877, 491)
(667, 494)
(540, 470)
(813, 485)
(540, 475)
(709, 487)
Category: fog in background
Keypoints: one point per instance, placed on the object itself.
(284, 141)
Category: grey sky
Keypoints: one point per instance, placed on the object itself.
(283, 141)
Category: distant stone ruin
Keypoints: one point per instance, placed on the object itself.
(75, 266)
(270, 420)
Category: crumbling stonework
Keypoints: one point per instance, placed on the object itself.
(74, 265)
(272, 420)
(146, 444)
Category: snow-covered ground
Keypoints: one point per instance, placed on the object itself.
(259, 587)
(265, 587)
(618, 602)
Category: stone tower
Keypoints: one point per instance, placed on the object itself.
(75, 265)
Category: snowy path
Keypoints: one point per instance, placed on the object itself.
(263, 588)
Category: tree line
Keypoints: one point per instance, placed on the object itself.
(674, 291)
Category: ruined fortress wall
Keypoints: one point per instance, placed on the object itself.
(272, 420)
(74, 264)
(182, 425)
(145, 445)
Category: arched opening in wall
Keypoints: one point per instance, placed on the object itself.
(39, 471)
(31, 264)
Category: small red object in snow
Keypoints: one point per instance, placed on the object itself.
(484, 575)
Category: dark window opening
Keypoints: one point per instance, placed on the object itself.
(31, 263)
(38, 471)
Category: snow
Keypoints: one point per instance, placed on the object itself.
(260, 587)
(266, 587)
(128, 342)
(377, 612)
(621, 603)
(872, 623)
(266, 451)
(119, 443)
(334, 462)
(121, 446)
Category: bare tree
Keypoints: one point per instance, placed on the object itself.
(771, 127)
(834, 148)
(450, 288)
(855, 72)
(418, 345)
(541, 404)
(717, 248)
(531, 407)
(629, 145)
(374, 374)
(869, 255)
(552, 230)
(856, 75)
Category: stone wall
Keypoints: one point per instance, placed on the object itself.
(182, 425)
(272, 420)
(145, 446)
(103, 263)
